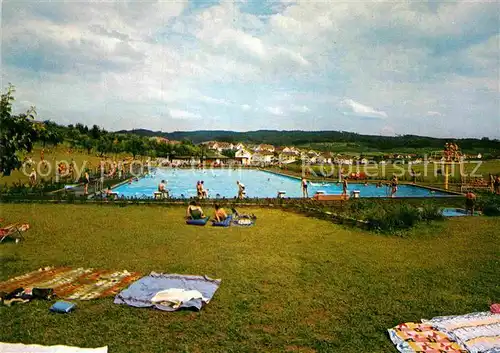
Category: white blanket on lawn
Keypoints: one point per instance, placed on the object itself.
(177, 296)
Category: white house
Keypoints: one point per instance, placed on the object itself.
(218, 146)
(243, 156)
(292, 150)
(263, 157)
(264, 147)
(239, 146)
(287, 157)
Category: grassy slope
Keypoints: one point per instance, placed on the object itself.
(304, 285)
(52, 156)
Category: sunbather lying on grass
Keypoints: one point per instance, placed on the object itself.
(243, 216)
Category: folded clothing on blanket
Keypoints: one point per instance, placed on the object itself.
(478, 332)
(35, 348)
(169, 292)
(422, 338)
(21, 295)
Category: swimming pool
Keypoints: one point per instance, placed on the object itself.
(261, 184)
(456, 212)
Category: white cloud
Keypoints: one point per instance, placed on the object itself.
(215, 100)
(183, 114)
(246, 107)
(434, 113)
(300, 108)
(275, 110)
(361, 110)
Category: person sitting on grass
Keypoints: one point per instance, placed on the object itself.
(194, 211)
(220, 214)
(110, 195)
(470, 201)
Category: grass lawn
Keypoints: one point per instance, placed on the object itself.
(301, 285)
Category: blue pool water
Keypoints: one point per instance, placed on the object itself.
(456, 212)
(222, 183)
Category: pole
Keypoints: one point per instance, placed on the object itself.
(446, 176)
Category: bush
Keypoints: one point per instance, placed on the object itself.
(394, 218)
(431, 213)
(490, 205)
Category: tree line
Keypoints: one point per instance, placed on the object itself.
(19, 132)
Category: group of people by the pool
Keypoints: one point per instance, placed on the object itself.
(393, 184)
(194, 211)
(202, 193)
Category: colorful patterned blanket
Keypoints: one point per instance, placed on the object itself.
(69, 283)
(470, 333)
(422, 338)
(478, 332)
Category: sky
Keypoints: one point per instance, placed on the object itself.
(382, 67)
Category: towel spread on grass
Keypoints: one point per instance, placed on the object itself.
(478, 332)
(69, 283)
(169, 292)
(472, 333)
(244, 222)
(422, 338)
(35, 348)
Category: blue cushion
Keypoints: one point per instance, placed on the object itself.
(224, 223)
(198, 222)
(62, 307)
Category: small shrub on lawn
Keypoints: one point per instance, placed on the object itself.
(391, 219)
(431, 213)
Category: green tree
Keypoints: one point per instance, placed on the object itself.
(49, 133)
(87, 143)
(229, 153)
(135, 146)
(95, 132)
(104, 145)
(17, 133)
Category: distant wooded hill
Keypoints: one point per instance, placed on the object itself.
(316, 138)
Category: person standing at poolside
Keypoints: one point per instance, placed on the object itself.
(204, 192)
(470, 201)
(199, 191)
(86, 181)
(344, 187)
(303, 183)
(496, 185)
(241, 190)
(394, 185)
(32, 177)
